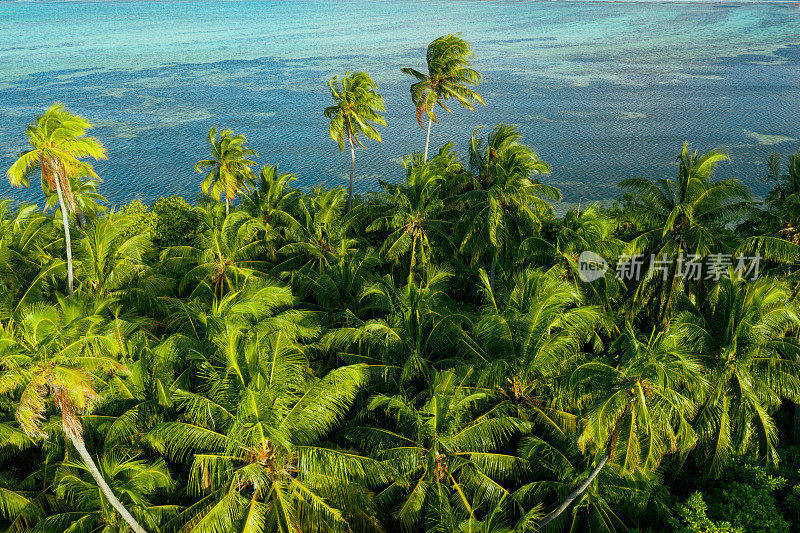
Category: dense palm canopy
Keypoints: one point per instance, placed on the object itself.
(746, 344)
(429, 360)
(506, 203)
(684, 216)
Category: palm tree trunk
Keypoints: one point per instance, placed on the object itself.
(77, 441)
(67, 239)
(577, 492)
(428, 138)
(352, 174)
(227, 205)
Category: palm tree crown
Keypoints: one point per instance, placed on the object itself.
(58, 143)
(356, 111)
(449, 76)
(229, 168)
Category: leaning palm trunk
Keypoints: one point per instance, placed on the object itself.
(577, 492)
(65, 220)
(352, 174)
(428, 138)
(72, 429)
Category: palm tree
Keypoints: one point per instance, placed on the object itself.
(682, 216)
(88, 202)
(229, 169)
(505, 205)
(557, 462)
(638, 410)
(413, 326)
(356, 110)
(447, 450)
(448, 76)
(589, 229)
(225, 254)
(59, 353)
(255, 432)
(742, 341)
(273, 201)
(530, 340)
(784, 198)
(137, 402)
(58, 143)
(318, 234)
(137, 481)
(113, 259)
(412, 213)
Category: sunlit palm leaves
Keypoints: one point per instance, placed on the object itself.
(356, 111)
(58, 145)
(254, 437)
(228, 171)
(530, 340)
(227, 252)
(449, 76)
(447, 452)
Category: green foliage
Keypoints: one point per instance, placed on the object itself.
(174, 222)
(693, 518)
(747, 498)
(428, 360)
(170, 221)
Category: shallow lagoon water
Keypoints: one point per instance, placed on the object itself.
(603, 90)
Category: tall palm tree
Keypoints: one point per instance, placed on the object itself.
(681, 216)
(59, 353)
(356, 111)
(506, 204)
(58, 143)
(449, 76)
(229, 169)
(88, 202)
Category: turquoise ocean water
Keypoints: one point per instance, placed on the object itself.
(603, 90)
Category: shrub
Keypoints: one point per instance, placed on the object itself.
(692, 518)
(174, 222)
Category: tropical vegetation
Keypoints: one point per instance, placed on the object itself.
(427, 357)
